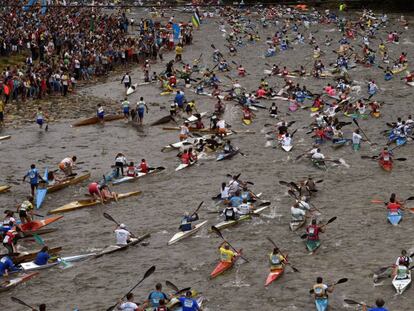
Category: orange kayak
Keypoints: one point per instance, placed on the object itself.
(273, 275)
(224, 266)
(37, 224)
(386, 166)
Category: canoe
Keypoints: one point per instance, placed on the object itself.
(41, 190)
(30, 233)
(247, 121)
(37, 224)
(321, 304)
(295, 224)
(195, 116)
(226, 156)
(184, 234)
(386, 166)
(29, 256)
(286, 148)
(224, 266)
(22, 278)
(401, 285)
(132, 89)
(163, 120)
(94, 120)
(116, 248)
(226, 224)
(398, 70)
(320, 165)
(68, 182)
(31, 266)
(273, 276)
(5, 137)
(87, 203)
(312, 245)
(4, 188)
(140, 175)
(394, 218)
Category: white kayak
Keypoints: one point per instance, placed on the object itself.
(194, 118)
(183, 234)
(229, 223)
(287, 148)
(401, 285)
(410, 83)
(31, 266)
(5, 137)
(183, 166)
(139, 175)
(132, 89)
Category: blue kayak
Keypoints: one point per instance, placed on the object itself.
(401, 141)
(224, 156)
(41, 191)
(394, 218)
(321, 304)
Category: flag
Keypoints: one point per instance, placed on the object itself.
(195, 20)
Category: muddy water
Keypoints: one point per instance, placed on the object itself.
(359, 242)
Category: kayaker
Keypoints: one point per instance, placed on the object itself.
(162, 306)
(186, 221)
(185, 157)
(95, 191)
(276, 259)
(273, 110)
(184, 131)
(141, 108)
(385, 157)
(25, 210)
(286, 140)
(42, 257)
(310, 184)
(143, 166)
(321, 291)
(224, 192)
(379, 306)
(188, 303)
(100, 113)
(131, 170)
(120, 162)
(122, 235)
(402, 265)
(34, 177)
(8, 219)
(67, 164)
(404, 260)
(313, 231)
(129, 305)
(318, 157)
(245, 208)
(236, 199)
(190, 107)
(393, 205)
(6, 266)
(107, 194)
(226, 254)
(356, 140)
(228, 148)
(230, 212)
(234, 186)
(155, 297)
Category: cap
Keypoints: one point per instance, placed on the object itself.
(122, 226)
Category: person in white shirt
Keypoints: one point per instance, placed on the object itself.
(224, 193)
(245, 208)
(356, 140)
(129, 305)
(122, 235)
(234, 186)
(297, 213)
(318, 157)
(287, 140)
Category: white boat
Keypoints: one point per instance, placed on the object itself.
(401, 285)
(194, 118)
(139, 175)
(410, 83)
(183, 234)
(287, 148)
(5, 137)
(31, 266)
(182, 166)
(132, 89)
(226, 224)
(295, 224)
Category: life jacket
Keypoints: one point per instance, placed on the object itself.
(319, 291)
(404, 261)
(393, 206)
(313, 232)
(131, 171)
(162, 308)
(144, 167)
(275, 260)
(185, 158)
(9, 237)
(385, 156)
(229, 213)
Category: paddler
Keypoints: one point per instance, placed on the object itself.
(226, 254)
(25, 210)
(228, 147)
(184, 131)
(385, 156)
(129, 305)
(190, 107)
(188, 303)
(321, 291)
(273, 111)
(221, 125)
(143, 166)
(141, 108)
(125, 104)
(230, 212)
(394, 205)
(155, 297)
(7, 266)
(356, 140)
(245, 208)
(379, 303)
(247, 114)
(40, 117)
(286, 140)
(67, 164)
(313, 231)
(43, 256)
(404, 260)
(34, 177)
(186, 221)
(318, 157)
(276, 259)
(100, 113)
(95, 191)
(123, 236)
(199, 123)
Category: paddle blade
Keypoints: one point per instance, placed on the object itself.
(356, 122)
(149, 272)
(271, 241)
(352, 302)
(109, 217)
(331, 220)
(343, 280)
(172, 285)
(39, 240)
(410, 199)
(17, 300)
(184, 290)
(295, 186)
(294, 269)
(304, 236)
(264, 204)
(292, 194)
(217, 231)
(377, 201)
(284, 183)
(401, 159)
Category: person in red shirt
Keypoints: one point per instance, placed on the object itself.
(317, 103)
(313, 231)
(143, 167)
(95, 191)
(185, 157)
(261, 93)
(247, 113)
(394, 205)
(385, 156)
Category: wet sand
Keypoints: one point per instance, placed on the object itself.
(359, 242)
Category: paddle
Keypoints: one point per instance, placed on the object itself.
(379, 201)
(246, 182)
(19, 301)
(198, 207)
(362, 131)
(109, 217)
(171, 285)
(147, 274)
(288, 263)
(301, 155)
(38, 240)
(343, 280)
(353, 302)
(217, 231)
(305, 235)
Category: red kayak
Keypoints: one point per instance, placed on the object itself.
(37, 224)
(224, 266)
(9, 284)
(274, 275)
(386, 165)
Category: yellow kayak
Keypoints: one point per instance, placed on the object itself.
(247, 121)
(87, 203)
(400, 69)
(67, 182)
(4, 188)
(315, 109)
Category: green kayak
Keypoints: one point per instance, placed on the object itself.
(319, 164)
(312, 245)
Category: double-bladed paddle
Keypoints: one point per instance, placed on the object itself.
(305, 235)
(217, 231)
(340, 281)
(21, 302)
(288, 263)
(109, 217)
(175, 288)
(362, 131)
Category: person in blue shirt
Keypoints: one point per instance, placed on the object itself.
(179, 99)
(155, 296)
(186, 221)
(188, 303)
(42, 257)
(34, 177)
(379, 303)
(6, 266)
(236, 200)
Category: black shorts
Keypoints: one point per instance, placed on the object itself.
(22, 213)
(1, 116)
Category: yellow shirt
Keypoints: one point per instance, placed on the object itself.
(178, 50)
(226, 255)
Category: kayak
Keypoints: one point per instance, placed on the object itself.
(295, 224)
(339, 143)
(95, 120)
(386, 166)
(4, 188)
(183, 234)
(22, 278)
(183, 166)
(287, 148)
(30, 233)
(247, 121)
(410, 83)
(312, 245)
(398, 70)
(29, 256)
(41, 190)
(321, 304)
(273, 276)
(115, 248)
(224, 266)
(163, 120)
(87, 203)
(195, 116)
(140, 175)
(401, 141)
(193, 129)
(5, 137)
(401, 285)
(132, 89)
(320, 165)
(67, 182)
(394, 218)
(229, 223)
(31, 266)
(226, 156)
(37, 224)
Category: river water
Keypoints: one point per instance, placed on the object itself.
(359, 242)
